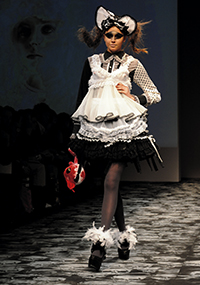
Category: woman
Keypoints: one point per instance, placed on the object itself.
(113, 124)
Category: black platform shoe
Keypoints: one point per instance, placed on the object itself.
(96, 261)
(124, 251)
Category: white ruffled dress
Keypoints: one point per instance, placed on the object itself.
(112, 124)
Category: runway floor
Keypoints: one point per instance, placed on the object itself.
(166, 216)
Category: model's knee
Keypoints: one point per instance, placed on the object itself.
(112, 179)
(111, 184)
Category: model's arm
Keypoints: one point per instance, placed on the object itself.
(150, 95)
(83, 87)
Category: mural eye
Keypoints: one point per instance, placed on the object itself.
(24, 31)
(68, 170)
(47, 29)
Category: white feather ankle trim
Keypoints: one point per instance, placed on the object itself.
(104, 237)
(129, 235)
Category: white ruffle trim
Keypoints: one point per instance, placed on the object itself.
(129, 235)
(111, 132)
(104, 237)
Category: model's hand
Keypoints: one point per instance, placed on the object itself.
(121, 88)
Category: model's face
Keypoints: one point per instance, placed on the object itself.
(114, 39)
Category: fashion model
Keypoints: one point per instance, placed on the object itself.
(113, 122)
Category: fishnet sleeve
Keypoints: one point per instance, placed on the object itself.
(142, 79)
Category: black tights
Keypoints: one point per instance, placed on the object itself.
(112, 202)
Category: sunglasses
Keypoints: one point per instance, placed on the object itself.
(116, 36)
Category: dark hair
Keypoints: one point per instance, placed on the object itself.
(135, 41)
(93, 38)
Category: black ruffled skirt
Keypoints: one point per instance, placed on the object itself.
(141, 148)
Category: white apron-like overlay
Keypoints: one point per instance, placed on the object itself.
(105, 115)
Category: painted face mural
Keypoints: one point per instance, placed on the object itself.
(35, 54)
(32, 38)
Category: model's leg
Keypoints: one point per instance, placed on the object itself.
(119, 214)
(112, 206)
(110, 199)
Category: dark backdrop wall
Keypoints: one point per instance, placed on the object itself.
(189, 95)
(41, 58)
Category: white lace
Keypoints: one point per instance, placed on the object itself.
(103, 104)
(112, 132)
(101, 77)
(142, 79)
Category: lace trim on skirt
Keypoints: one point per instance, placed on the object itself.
(113, 131)
(141, 148)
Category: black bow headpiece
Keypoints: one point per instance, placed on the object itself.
(106, 19)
